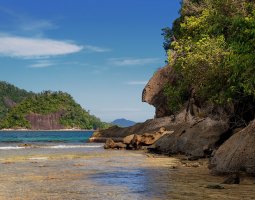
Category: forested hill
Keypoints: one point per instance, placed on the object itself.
(211, 48)
(44, 111)
(10, 96)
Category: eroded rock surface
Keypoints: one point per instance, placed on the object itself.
(237, 153)
(153, 91)
(45, 122)
(118, 133)
(194, 138)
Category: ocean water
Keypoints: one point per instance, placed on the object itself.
(43, 139)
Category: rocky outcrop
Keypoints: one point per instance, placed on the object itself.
(9, 103)
(189, 135)
(197, 138)
(45, 122)
(149, 126)
(153, 91)
(135, 141)
(237, 153)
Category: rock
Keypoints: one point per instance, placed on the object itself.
(237, 153)
(153, 91)
(233, 179)
(193, 158)
(45, 122)
(25, 145)
(109, 144)
(128, 139)
(120, 145)
(146, 139)
(117, 134)
(192, 138)
(215, 186)
(162, 130)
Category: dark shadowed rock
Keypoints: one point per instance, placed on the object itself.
(192, 138)
(232, 179)
(215, 186)
(153, 91)
(237, 153)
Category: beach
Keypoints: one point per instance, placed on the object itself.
(89, 172)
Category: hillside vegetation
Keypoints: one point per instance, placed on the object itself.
(10, 96)
(45, 103)
(211, 47)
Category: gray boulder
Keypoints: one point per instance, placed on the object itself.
(237, 153)
(196, 139)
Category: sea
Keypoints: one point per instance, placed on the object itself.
(57, 165)
(43, 139)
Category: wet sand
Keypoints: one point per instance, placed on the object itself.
(94, 173)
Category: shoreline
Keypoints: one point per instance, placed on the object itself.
(54, 130)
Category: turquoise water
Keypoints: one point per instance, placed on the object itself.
(12, 139)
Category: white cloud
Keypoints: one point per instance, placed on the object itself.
(13, 46)
(42, 64)
(137, 82)
(133, 61)
(96, 49)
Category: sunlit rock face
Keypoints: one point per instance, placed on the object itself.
(153, 92)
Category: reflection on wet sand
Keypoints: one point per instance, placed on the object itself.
(99, 174)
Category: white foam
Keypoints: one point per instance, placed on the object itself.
(51, 147)
(11, 147)
(38, 158)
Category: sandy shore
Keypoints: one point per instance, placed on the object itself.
(99, 174)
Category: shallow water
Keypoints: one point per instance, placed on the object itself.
(87, 171)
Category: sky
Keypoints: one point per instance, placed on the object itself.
(102, 52)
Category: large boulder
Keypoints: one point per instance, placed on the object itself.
(147, 139)
(197, 138)
(110, 144)
(237, 153)
(153, 91)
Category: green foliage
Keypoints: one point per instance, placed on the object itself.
(176, 95)
(49, 102)
(9, 96)
(213, 50)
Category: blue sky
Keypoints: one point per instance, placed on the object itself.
(102, 52)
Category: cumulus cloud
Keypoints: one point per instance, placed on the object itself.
(133, 61)
(137, 83)
(13, 46)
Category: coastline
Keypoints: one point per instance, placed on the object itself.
(52, 130)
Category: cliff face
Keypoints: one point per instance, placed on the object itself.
(45, 122)
(153, 91)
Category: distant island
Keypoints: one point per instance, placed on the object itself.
(47, 110)
(123, 122)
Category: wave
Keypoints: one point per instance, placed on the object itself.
(11, 148)
(50, 147)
